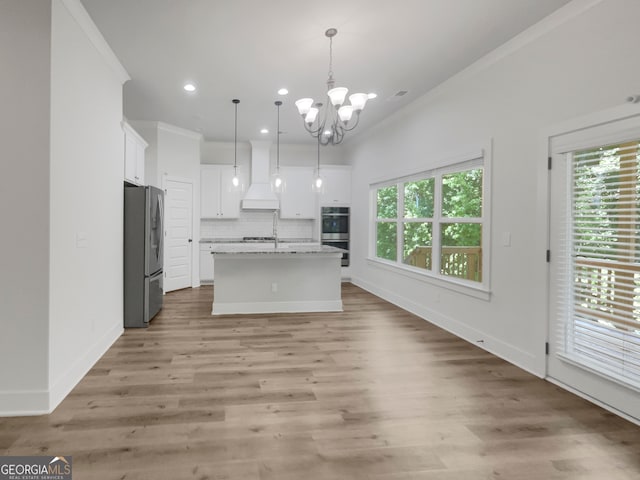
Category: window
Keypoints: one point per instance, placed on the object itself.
(434, 222)
(602, 312)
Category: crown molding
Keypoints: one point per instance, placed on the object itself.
(166, 128)
(80, 15)
(179, 131)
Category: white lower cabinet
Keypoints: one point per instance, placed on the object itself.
(206, 263)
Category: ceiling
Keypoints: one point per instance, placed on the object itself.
(248, 49)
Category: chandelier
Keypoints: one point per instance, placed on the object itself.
(336, 118)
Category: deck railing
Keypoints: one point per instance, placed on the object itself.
(461, 262)
(608, 291)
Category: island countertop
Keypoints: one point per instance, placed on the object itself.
(269, 248)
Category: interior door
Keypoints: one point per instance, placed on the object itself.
(178, 234)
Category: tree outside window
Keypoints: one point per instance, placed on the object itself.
(438, 213)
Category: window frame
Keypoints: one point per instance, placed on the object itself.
(444, 166)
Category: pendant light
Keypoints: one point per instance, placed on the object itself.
(235, 180)
(317, 181)
(276, 183)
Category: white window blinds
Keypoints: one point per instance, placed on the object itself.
(601, 265)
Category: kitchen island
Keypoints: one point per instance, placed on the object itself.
(269, 278)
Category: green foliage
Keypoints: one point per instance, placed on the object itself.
(387, 202)
(597, 193)
(462, 194)
(462, 198)
(461, 235)
(386, 240)
(418, 198)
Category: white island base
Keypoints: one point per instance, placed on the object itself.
(277, 282)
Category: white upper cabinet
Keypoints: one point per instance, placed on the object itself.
(218, 199)
(134, 147)
(297, 199)
(336, 180)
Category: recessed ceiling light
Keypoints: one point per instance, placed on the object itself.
(189, 87)
(283, 91)
(264, 130)
(372, 95)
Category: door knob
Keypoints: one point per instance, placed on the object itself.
(190, 240)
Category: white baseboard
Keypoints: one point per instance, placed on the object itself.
(42, 402)
(276, 307)
(81, 367)
(497, 347)
(22, 403)
(593, 400)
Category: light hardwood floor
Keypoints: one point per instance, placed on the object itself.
(373, 393)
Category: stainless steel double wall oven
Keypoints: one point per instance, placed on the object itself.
(335, 229)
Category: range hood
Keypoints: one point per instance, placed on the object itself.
(259, 196)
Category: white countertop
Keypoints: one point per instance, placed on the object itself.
(262, 248)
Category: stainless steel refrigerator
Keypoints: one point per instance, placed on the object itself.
(143, 252)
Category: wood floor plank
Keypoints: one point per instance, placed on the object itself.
(371, 393)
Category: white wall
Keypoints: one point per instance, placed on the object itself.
(62, 171)
(578, 61)
(86, 204)
(290, 154)
(25, 42)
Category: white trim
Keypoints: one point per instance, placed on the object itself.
(84, 21)
(592, 368)
(234, 308)
(447, 164)
(593, 400)
(24, 402)
(497, 347)
(128, 129)
(553, 21)
(556, 19)
(442, 161)
(42, 402)
(450, 283)
(179, 131)
(81, 367)
(167, 128)
(590, 120)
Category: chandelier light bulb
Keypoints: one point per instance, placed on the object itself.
(318, 183)
(278, 182)
(235, 180)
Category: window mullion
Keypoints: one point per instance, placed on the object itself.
(400, 225)
(435, 228)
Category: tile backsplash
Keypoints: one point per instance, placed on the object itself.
(256, 224)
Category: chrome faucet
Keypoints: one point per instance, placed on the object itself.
(275, 229)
